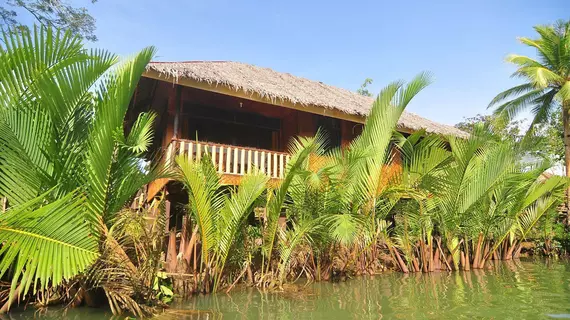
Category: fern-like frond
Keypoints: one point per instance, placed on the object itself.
(44, 244)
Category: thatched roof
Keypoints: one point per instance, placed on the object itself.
(280, 87)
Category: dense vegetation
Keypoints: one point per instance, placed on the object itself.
(69, 170)
(546, 91)
(450, 204)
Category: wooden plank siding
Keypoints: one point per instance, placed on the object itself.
(174, 105)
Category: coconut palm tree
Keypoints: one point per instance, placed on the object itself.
(547, 87)
(67, 166)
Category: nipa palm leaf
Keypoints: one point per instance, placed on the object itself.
(43, 245)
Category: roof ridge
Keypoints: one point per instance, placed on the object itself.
(257, 66)
(192, 61)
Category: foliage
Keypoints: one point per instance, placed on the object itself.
(546, 91)
(418, 202)
(68, 166)
(59, 14)
(219, 214)
(544, 143)
(499, 129)
(547, 77)
(413, 202)
(163, 287)
(363, 90)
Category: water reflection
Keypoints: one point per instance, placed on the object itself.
(509, 290)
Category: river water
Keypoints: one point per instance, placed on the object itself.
(516, 290)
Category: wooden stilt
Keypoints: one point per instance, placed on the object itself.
(171, 260)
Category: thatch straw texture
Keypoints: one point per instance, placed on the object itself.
(276, 86)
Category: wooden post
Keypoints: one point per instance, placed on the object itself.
(178, 102)
(281, 165)
(235, 161)
(262, 161)
(275, 165)
(184, 238)
(269, 164)
(242, 164)
(198, 151)
(171, 253)
(228, 159)
(249, 161)
(190, 151)
(170, 152)
(169, 249)
(181, 151)
(221, 160)
(214, 156)
(167, 213)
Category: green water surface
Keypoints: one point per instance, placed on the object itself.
(514, 290)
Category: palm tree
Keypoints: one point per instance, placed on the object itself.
(67, 167)
(219, 214)
(339, 204)
(547, 87)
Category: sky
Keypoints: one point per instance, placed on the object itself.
(341, 43)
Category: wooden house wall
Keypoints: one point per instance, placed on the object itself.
(167, 99)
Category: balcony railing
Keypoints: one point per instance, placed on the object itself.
(232, 160)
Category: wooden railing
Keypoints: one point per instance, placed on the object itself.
(231, 159)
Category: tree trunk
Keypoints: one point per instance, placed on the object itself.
(424, 256)
(415, 264)
(486, 252)
(6, 307)
(467, 258)
(565, 107)
(505, 250)
(477, 257)
(190, 247)
(511, 250)
(116, 248)
(518, 251)
(401, 263)
(442, 254)
(431, 262)
(436, 261)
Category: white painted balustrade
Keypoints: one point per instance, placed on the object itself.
(232, 159)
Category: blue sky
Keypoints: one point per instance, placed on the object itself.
(463, 43)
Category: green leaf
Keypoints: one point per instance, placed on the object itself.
(44, 245)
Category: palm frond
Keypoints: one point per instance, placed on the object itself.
(46, 244)
(237, 207)
(514, 91)
(113, 100)
(205, 201)
(300, 148)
